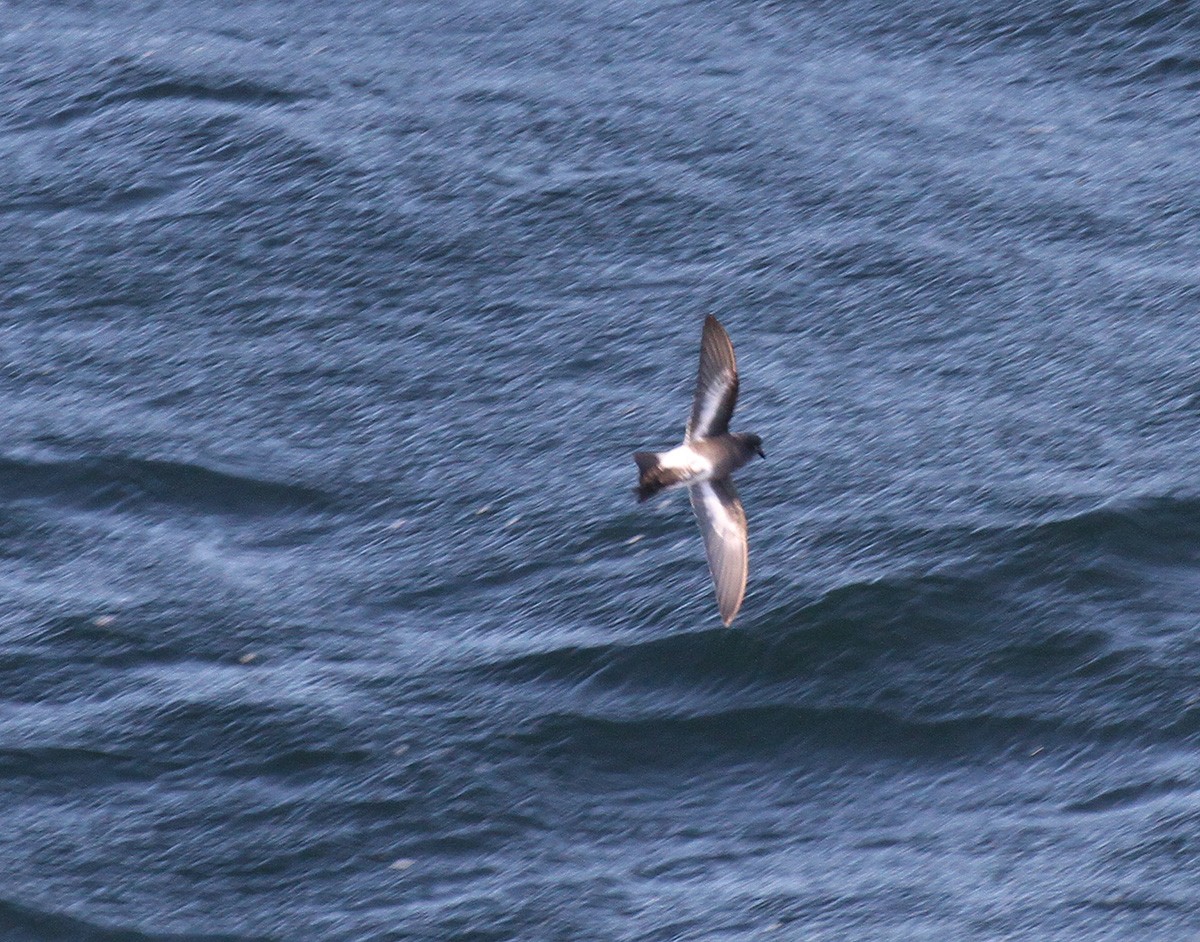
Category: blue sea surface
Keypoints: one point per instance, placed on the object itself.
(326, 333)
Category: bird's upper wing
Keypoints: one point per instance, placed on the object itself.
(723, 523)
(716, 384)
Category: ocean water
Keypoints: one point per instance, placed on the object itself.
(327, 331)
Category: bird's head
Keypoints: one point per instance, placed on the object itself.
(754, 443)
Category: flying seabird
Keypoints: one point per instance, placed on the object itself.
(705, 461)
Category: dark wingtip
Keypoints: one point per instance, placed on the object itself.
(715, 327)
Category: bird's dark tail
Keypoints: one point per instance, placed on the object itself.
(652, 476)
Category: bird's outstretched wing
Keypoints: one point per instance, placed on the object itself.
(716, 384)
(723, 523)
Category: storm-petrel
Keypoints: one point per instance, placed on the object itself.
(710, 453)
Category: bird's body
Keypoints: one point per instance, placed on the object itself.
(695, 461)
(710, 453)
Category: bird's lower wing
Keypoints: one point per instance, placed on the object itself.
(723, 523)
